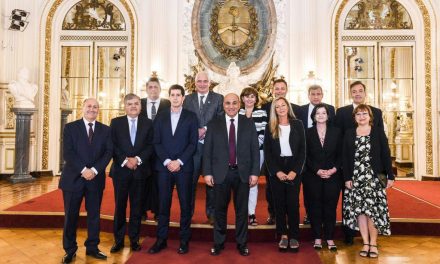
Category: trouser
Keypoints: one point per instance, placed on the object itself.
(166, 182)
(286, 202)
(323, 199)
(127, 188)
(72, 205)
(253, 192)
(209, 206)
(240, 192)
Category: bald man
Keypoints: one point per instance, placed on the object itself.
(231, 162)
(87, 149)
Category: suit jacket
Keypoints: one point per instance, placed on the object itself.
(379, 153)
(344, 118)
(123, 148)
(216, 149)
(324, 156)
(164, 104)
(296, 109)
(304, 114)
(272, 149)
(79, 153)
(213, 107)
(181, 145)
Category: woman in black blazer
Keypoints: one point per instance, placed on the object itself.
(285, 152)
(322, 179)
(365, 155)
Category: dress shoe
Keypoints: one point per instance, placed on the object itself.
(216, 249)
(98, 254)
(68, 257)
(158, 246)
(116, 247)
(270, 220)
(243, 250)
(183, 248)
(306, 220)
(135, 246)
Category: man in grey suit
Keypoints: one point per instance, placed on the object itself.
(231, 161)
(206, 105)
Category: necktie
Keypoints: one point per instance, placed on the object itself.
(153, 111)
(133, 131)
(201, 103)
(90, 132)
(232, 156)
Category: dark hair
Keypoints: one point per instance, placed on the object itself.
(280, 81)
(248, 91)
(315, 109)
(357, 83)
(363, 107)
(152, 79)
(176, 87)
(130, 96)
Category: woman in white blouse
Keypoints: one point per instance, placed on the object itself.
(285, 153)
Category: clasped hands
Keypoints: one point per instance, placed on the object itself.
(325, 174)
(286, 177)
(173, 166)
(209, 180)
(131, 163)
(88, 174)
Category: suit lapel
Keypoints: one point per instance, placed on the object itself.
(139, 126)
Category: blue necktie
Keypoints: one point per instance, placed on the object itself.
(133, 131)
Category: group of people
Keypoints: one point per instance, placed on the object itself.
(230, 140)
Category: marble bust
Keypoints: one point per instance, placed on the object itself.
(232, 84)
(23, 91)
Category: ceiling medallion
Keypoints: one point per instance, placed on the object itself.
(233, 28)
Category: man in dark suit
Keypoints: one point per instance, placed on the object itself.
(87, 151)
(206, 105)
(279, 89)
(344, 120)
(152, 106)
(344, 115)
(132, 136)
(175, 141)
(231, 161)
(315, 95)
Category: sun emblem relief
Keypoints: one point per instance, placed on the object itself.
(234, 28)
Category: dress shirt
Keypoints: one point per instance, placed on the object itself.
(175, 116)
(129, 128)
(150, 105)
(309, 119)
(86, 123)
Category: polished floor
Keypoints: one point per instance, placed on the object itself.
(44, 245)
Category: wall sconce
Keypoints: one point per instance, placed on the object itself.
(357, 67)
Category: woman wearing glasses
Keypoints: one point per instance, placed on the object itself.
(366, 154)
(322, 178)
(285, 153)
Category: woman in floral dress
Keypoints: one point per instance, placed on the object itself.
(365, 155)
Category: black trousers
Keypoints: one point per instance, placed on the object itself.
(166, 182)
(210, 202)
(72, 205)
(286, 202)
(323, 195)
(127, 188)
(240, 192)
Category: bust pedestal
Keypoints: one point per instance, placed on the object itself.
(22, 141)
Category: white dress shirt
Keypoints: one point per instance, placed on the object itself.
(286, 151)
(150, 105)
